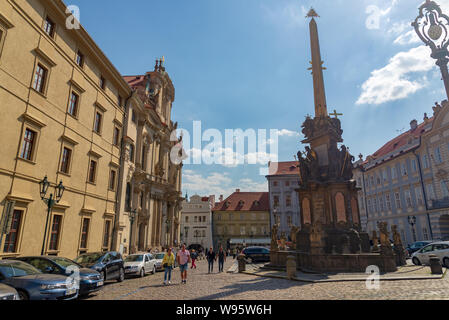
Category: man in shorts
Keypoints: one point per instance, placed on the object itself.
(183, 257)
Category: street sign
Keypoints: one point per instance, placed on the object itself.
(7, 217)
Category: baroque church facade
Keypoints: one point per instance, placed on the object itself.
(150, 182)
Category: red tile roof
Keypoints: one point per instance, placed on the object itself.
(401, 140)
(135, 81)
(252, 201)
(283, 168)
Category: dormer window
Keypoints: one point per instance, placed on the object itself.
(256, 203)
(241, 203)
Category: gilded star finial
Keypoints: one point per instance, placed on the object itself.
(312, 13)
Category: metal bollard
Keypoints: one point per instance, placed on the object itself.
(291, 267)
(435, 265)
(241, 262)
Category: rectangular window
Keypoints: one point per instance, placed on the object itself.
(287, 183)
(84, 233)
(444, 189)
(79, 59)
(275, 183)
(13, 235)
(425, 233)
(414, 167)
(55, 231)
(242, 230)
(276, 201)
(288, 201)
(107, 230)
(385, 176)
(438, 157)
(102, 82)
(29, 140)
(40, 76)
(430, 192)
(116, 136)
(425, 161)
(66, 157)
(112, 178)
(381, 204)
(388, 201)
(98, 121)
(404, 169)
(408, 198)
(393, 173)
(397, 198)
(289, 220)
(368, 202)
(187, 219)
(375, 204)
(49, 27)
(195, 219)
(73, 106)
(419, 197)
(92, 171)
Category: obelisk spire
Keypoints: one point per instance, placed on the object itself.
(317, 68)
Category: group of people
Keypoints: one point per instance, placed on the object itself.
(184, 257)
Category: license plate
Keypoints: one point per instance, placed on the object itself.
(100, 283)
(70, 292)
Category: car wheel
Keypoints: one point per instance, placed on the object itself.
(121, 277)
(142, 272)
(23, 295)
(154, 270)
(446, 262)
(416, 261)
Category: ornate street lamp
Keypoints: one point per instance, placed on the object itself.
(50, 202)
(432, 28)
(412, 222)
(132, 215)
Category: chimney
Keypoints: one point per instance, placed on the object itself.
(237, 190)
(413, 125)
(221, 198)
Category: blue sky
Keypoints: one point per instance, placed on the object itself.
(243, 64)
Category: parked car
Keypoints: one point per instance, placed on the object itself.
(32, 284)
(140, 264)
(440, 249)
(257, 254)
(158, 260)
(109, 264)
(411, 249)
(8, 293)
(89, 280)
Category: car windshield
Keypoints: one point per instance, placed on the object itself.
(159, 256)
(134, 258)
(89, 258)
(64, 262)
(18, 269)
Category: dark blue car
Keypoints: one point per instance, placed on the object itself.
(109, 264)
(31, 284)
(89, 280)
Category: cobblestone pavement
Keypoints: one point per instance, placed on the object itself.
(203, 286)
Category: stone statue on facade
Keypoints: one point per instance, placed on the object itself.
(398, 247)
(385, 244)
(293, 233)
(375, 242)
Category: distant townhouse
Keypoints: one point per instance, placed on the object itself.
(196, 221)
(405, 182)
(283, 179)
(242, 219)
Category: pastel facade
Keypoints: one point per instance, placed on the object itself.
(196, 221)
(61, 116)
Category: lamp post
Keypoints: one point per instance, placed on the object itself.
(132, 217)
(412, 222)
(50, 202)
(431, 25)
(167, 233)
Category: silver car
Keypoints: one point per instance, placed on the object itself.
(8, 293)
(140, 264)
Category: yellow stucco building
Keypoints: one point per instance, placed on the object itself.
(61, 115)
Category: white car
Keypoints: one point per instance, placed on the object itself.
(158, 258)
(8, 293)
(140, 264)
(440, 249)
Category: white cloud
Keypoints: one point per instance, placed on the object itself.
(409, 37)
(393, 82)
(217, 183)
(291, 15)
(287, 133)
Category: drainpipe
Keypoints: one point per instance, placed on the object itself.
(423, 189)
(120, 177)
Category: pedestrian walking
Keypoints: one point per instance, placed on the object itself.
(221, 259)
(183, 258)
(168, 262)
(193, 256)
(211, 257)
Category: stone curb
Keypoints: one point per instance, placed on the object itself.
(438, 277)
